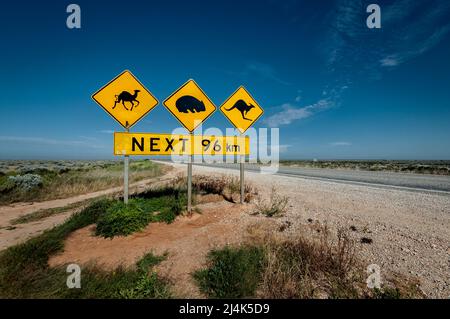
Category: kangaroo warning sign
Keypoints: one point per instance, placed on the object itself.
(125, 99)
(177, 144)
(190, 105)
(241, 109)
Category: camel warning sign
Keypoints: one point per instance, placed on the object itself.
(178, 144)
(241, 109)
(125, 99)
(190, 105)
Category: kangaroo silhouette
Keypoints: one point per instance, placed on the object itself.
(243, 107)
(189, 103)
(127, 97)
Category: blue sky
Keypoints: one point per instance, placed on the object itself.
(335, 88)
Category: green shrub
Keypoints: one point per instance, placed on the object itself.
(162, 205)
(147, 286)
(122, 219)
(24, 269)
(27, 182)
(232, 272)
(6, 184)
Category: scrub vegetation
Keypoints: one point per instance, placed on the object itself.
(271, 266)
(224, 185)
(162, 205)
(274, 206)
(45, 180)
(24, 270)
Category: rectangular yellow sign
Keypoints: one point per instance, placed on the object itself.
(178, 144)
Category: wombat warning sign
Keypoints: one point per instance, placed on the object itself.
(190, 105)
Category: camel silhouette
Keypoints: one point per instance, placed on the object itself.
(127, 97)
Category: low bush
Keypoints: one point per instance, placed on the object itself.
(161, 205)
(281, 267)
(304, 268)
(24, 270)
(122, 219)
(27, 182)
(231, 273)
(274, 206)
(6, 184)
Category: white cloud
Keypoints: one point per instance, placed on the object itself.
(290, 113)
(341, 144)
(389, 61)
(107, 131)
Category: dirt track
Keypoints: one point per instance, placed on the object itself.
(13, 234)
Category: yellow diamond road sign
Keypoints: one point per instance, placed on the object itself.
(241, 109)
(190, 105)
(125, 99)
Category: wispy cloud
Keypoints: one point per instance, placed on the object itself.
(340, 144)
(408, 29)
(290, 112)
(107, 131)
(390, 61)
(47, 141)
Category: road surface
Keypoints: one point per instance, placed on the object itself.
(408, 181)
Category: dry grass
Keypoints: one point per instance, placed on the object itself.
(309, 268)
(69, 182)
(47, 212)
(274, 206)
(226, 186)
(323, 266)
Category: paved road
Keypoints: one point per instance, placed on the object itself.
(407, 181)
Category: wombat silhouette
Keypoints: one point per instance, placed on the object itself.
(127, 97)
(243, 107)
(189, 103)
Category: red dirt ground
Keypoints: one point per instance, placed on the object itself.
(187, 242)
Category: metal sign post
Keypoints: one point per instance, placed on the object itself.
(126, 163)
(241, 164)
(189, 180)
